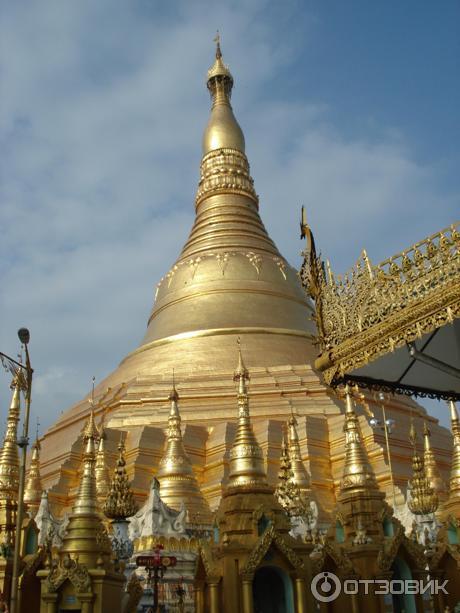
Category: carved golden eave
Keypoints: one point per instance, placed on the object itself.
(373, 310)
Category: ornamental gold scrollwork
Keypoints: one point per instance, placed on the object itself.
(69, 569)
(262, 546)
(374, 309)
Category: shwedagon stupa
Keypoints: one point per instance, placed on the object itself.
(229, 282)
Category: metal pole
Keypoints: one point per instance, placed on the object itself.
(385, 427)
(22, 443)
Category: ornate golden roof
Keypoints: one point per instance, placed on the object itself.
(178, 483)
(33, 490)
(246, 456)
(375, 309)
(120, 502)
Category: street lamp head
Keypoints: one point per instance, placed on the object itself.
(24, 335)
(374, 422)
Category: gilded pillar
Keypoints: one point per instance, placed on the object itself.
(248, 603)
(300, 595)
(50, 601)
(199, 598)
(213, 598)
(86, 603)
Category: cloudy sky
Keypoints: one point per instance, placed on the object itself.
(350, 108)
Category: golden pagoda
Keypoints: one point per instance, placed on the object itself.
(84, 575)
(9, 467)
(33, 489)
(229, 282)
(177, 480)
(253, 547)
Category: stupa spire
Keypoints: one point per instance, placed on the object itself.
(422, 500)
(9, 457)
(101, 469)
(33, 490)
(85, 533)
(177, 480)
(299, 473)
(429, 460)
(246, 457)
(357, 472)
(453, 502)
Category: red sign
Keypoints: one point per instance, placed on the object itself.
(155, 561)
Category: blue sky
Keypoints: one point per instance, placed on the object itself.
(348, 108)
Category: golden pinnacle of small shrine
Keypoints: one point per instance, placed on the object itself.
(33, 489)
(357, 472)
(246, 456)
(429, 461)
(85, 536)
(454, 482)
(300, 476)
(120, 502)
(101, 469)
(422, 500)
(9, 457)
(178, 483)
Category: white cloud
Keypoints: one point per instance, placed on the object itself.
(101, 120)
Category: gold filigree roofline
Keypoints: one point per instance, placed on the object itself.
(374, 309)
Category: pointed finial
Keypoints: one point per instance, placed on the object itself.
(241, 373)
(91, 431)
(173, 396)
(426, 436)
(217, 41)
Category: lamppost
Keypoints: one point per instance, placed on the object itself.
(155, 567)
(387, 426)
(24, 337)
